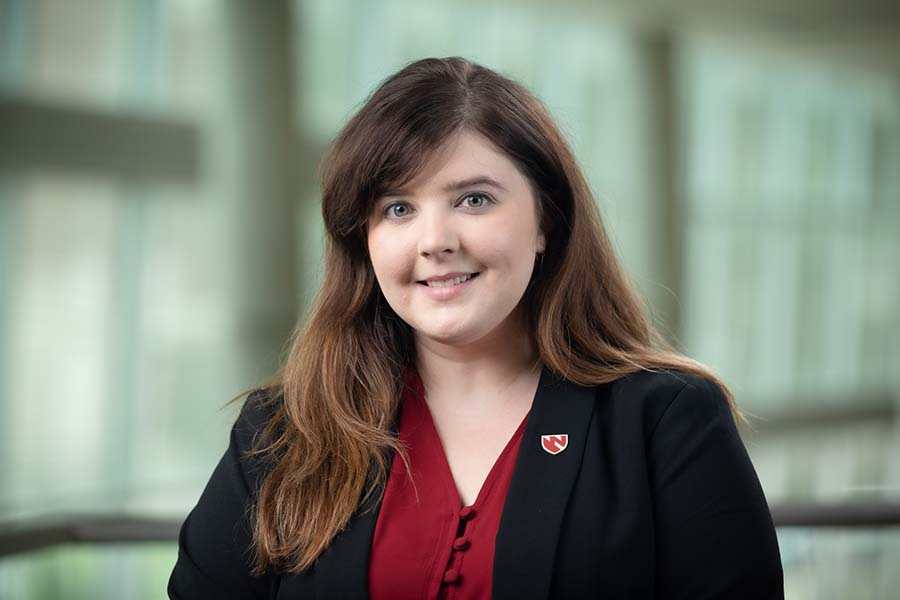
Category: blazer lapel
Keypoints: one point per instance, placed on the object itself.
(342, 571)
(539, 489)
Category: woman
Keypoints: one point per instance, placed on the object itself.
(476, 405)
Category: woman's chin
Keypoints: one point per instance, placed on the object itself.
(450, 334)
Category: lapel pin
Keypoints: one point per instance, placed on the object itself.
(555, 443)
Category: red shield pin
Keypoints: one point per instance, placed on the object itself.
(555, 443)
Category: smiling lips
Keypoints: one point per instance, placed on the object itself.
(447, 281)
(445, 289)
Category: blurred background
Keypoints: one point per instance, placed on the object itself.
(160, 235)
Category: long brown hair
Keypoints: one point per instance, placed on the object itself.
(334, 400)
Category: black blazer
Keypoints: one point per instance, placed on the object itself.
(654, 497)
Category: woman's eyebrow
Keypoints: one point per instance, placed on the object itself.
(454, 186)
(472, 181)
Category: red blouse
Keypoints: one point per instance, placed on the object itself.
(433, 547)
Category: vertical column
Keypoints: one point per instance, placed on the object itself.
(659, 130)
(15, 29)
(260, 220)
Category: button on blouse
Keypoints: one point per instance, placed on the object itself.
(426, 545)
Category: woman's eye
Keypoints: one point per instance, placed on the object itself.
(480, 200)
(400, 210)
(396, 210)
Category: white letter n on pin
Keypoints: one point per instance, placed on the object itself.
(555, 443)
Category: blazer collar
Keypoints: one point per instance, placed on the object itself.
(532, 514)
(539, 490)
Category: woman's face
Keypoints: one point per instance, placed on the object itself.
(470, 211)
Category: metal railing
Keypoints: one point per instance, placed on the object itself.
(37, 534)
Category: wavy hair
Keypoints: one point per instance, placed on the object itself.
(334, 400)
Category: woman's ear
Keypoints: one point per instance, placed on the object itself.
(541, 243)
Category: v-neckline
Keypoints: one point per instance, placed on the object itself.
(447, 477)
(533, 510)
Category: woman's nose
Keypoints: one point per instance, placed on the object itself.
(437, 234)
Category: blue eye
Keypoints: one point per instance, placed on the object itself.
(401, 210)
(389, 210)
(484, 199)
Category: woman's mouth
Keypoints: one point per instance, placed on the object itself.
(448, 288)
(449, 282)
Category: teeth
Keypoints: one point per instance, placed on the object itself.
(449, 282)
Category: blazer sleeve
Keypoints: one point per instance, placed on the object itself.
(214, 559)
(714, 533)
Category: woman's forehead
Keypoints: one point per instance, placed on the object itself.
(465, 159)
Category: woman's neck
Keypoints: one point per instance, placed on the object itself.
(478, 378)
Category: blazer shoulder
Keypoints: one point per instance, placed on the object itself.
(652, 394)
(258, 409)
(250, 432)
(215, 543)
